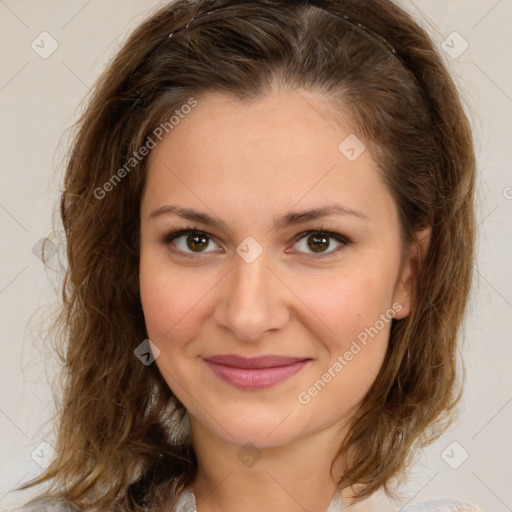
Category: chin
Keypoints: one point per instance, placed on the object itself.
(258, 437)
(261, 429)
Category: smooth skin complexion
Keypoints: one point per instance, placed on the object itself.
(306, 296)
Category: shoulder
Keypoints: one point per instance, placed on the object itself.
(383, 503)
(45, 505)
(440, 505)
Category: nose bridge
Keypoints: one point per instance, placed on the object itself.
(253, 300)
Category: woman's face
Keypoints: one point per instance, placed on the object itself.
(267, 331)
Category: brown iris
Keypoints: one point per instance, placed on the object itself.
(318, 243)
(198, 242)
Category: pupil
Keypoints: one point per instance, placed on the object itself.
(319, 243)
(197, 242)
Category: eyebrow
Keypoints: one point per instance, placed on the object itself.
(286, 220)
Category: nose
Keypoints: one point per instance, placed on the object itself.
(253, 300)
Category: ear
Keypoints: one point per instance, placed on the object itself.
(406, 282)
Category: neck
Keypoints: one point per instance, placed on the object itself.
(291, 478)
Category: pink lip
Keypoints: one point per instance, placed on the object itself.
(257, 372)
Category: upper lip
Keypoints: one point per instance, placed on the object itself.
(253, 362)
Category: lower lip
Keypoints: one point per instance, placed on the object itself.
(255, 378)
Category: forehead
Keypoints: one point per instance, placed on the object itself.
(282, 149)
(291, 122)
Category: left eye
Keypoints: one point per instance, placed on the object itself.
(319, 241)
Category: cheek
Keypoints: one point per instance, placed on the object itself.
(359, 316)
(357, 309)
(349, 302)
(170, 299)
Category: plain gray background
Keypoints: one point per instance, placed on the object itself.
(39, 100)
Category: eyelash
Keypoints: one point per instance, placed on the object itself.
(182, 231)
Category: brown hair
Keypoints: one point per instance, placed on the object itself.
(113, 446)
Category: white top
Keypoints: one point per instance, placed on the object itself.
(187, 503)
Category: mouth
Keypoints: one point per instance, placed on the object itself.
(255, 373)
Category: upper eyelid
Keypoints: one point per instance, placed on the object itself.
(182, 232)
(178, 233)
(332, 234)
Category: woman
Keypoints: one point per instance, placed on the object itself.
(269, 218)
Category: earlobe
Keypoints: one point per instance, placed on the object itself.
(406, 283)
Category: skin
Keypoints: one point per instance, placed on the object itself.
(247, 164)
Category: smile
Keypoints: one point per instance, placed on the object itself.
(255, 373)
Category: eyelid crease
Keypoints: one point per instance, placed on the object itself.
(323, 231)
(178, 232)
